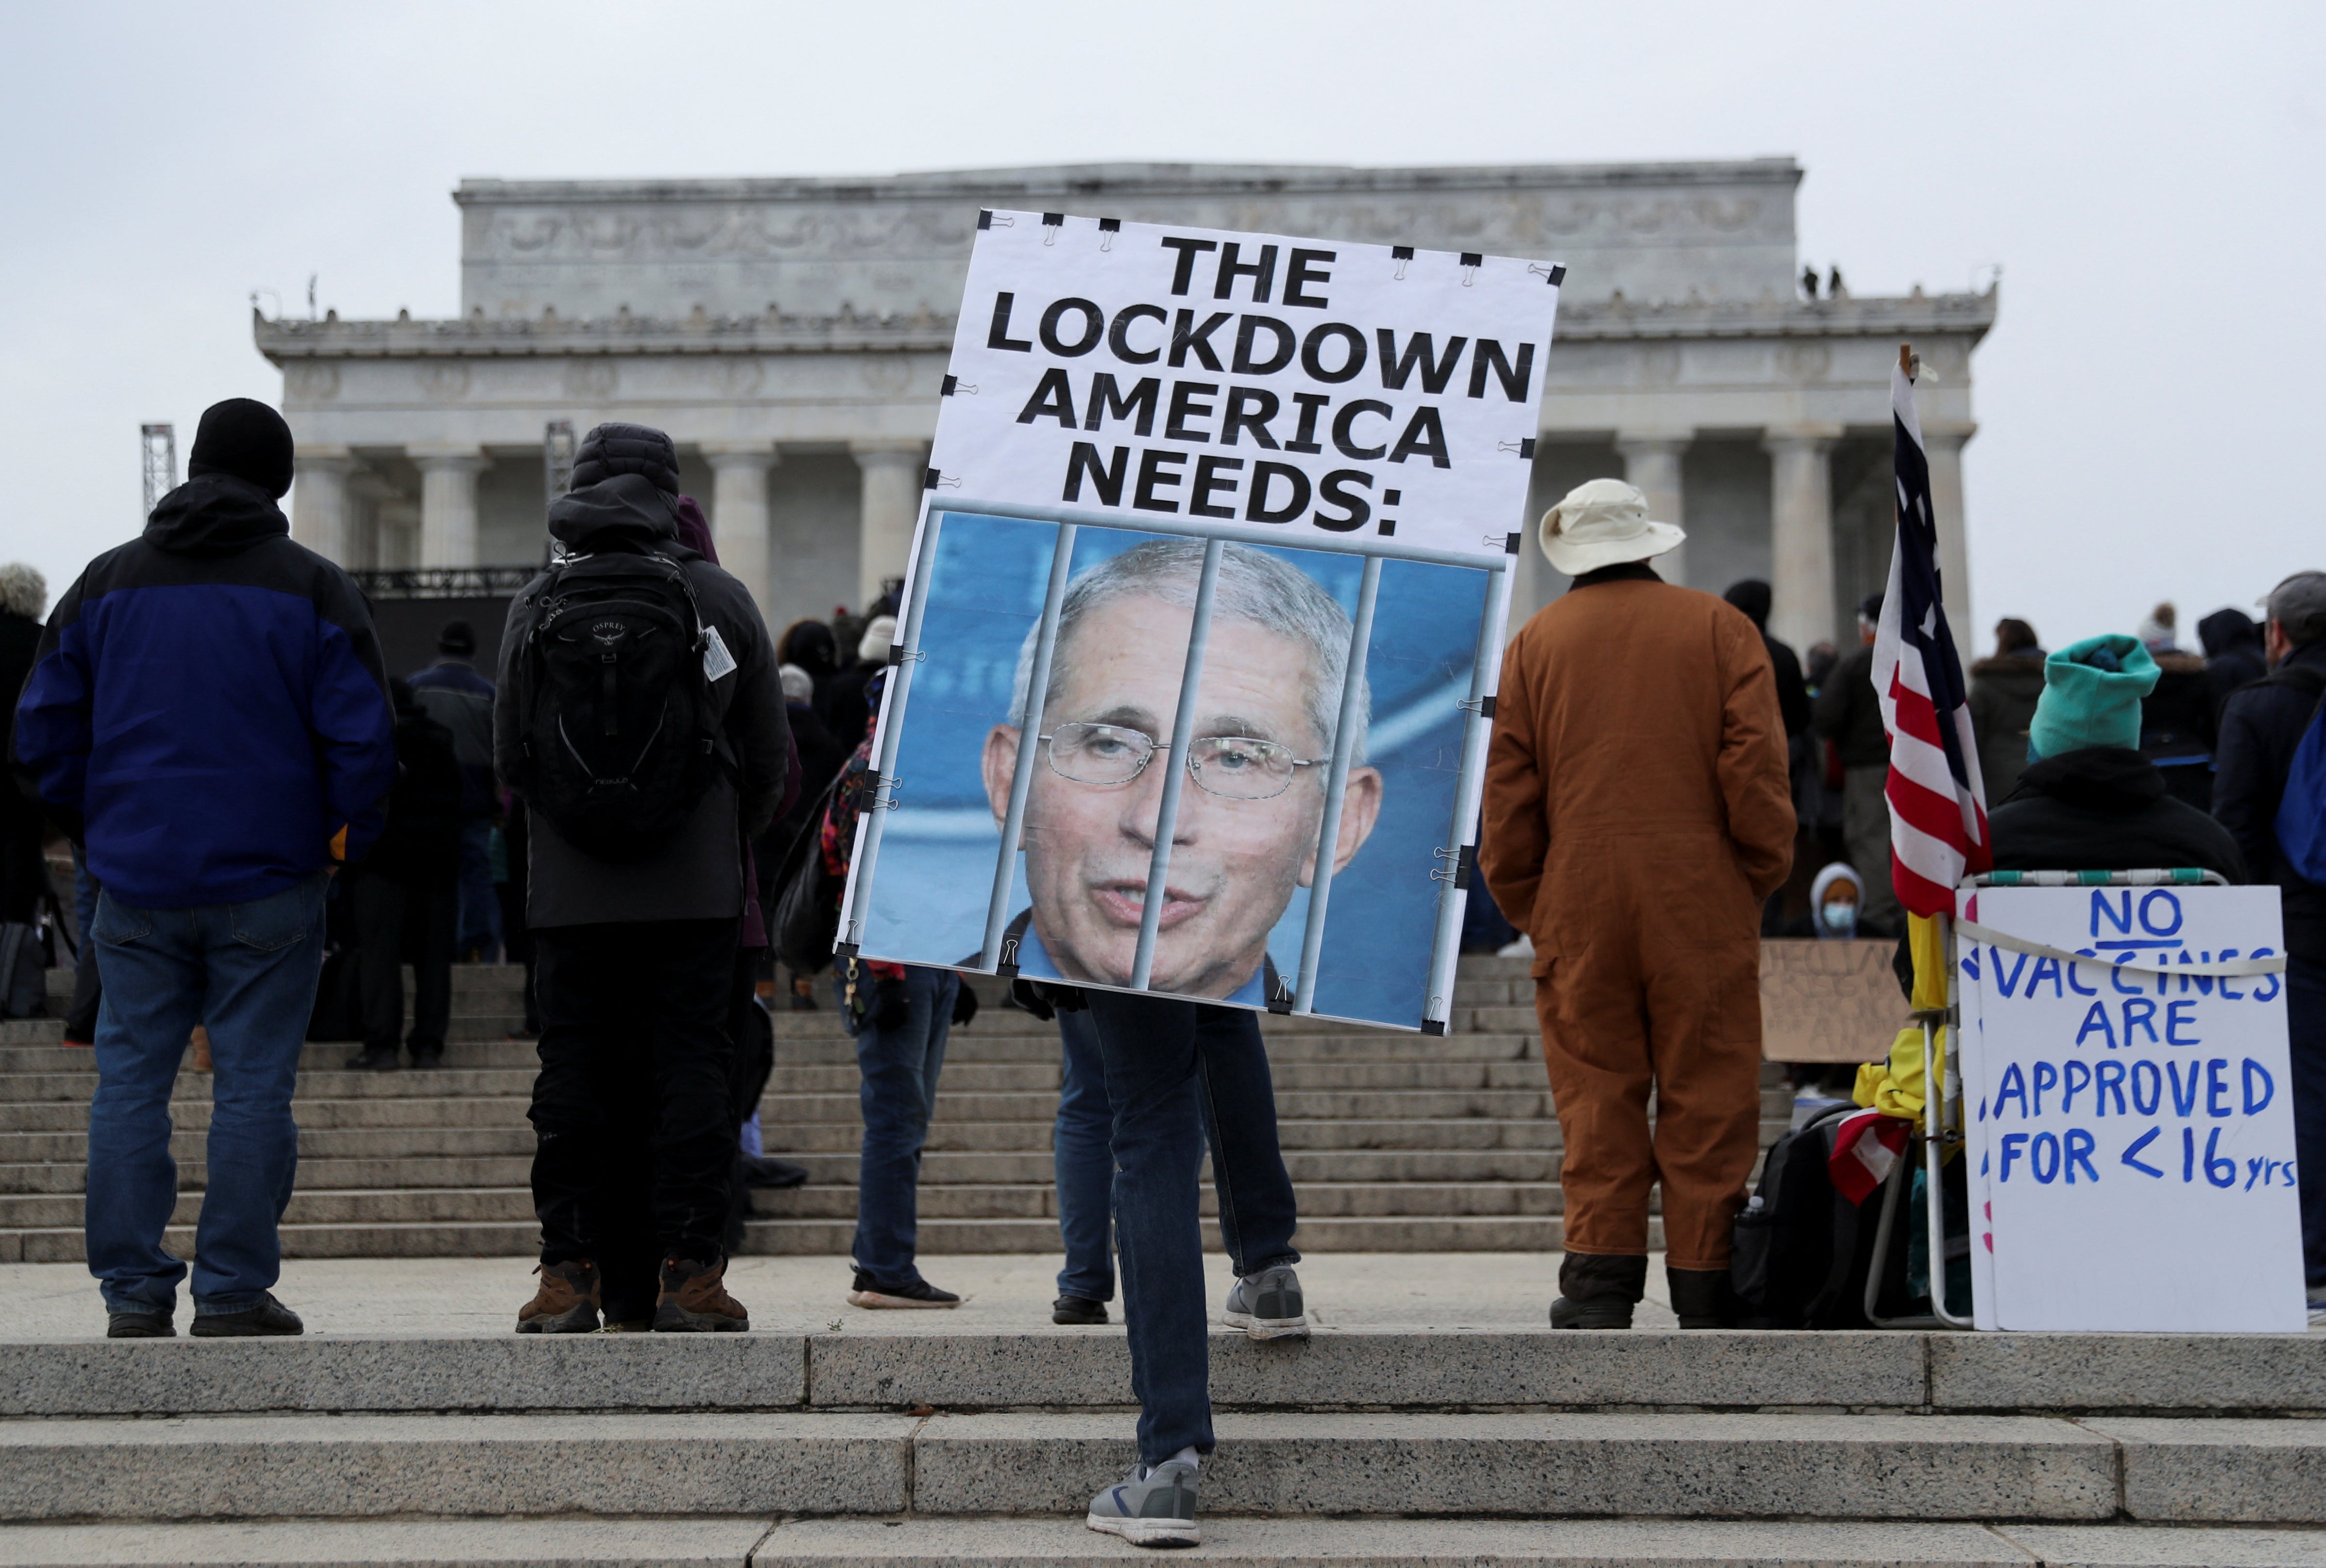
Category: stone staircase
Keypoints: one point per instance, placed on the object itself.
(1357, 1448)
(1396, 1142)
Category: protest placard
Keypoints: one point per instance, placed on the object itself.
(2129, 1113)
(1204, 617)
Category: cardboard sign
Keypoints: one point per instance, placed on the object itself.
(2130, 1124)
(1321, 392)
(1203, 619)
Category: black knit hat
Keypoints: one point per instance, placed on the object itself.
(627, 448)
(458, 639)
(245, 439)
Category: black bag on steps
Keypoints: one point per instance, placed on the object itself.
(1801, 1251)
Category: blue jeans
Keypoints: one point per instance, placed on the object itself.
(2305, 1031)
(1257, 1209)
(1166, 1063)
(899, 1066)
(479, 921)
(248, 972)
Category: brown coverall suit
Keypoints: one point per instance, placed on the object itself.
(1637, 814)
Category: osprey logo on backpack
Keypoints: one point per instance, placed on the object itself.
(620, 736)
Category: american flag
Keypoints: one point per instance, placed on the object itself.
(1938, 806)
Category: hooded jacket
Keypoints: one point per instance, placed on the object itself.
(208, 714)
(2260, 728)
(2103, 808)
(2233, 657)
(2004, 691)
(697, 873)
(1847, 714)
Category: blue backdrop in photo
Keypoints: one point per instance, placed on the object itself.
(928, 904)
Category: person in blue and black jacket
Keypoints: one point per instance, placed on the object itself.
(208, 717)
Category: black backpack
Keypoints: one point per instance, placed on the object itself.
(620, 741)
(1800, 1254)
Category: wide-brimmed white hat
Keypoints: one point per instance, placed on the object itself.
(1603, 523)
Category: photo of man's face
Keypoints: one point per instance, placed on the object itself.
(1249, 808)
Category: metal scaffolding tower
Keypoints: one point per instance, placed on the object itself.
(160, 442)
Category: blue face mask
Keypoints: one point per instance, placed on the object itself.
(1839, 917)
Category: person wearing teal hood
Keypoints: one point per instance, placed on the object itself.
(2088, 800)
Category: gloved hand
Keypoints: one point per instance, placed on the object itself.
(965, 1006)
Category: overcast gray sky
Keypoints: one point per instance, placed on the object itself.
(2147, 176)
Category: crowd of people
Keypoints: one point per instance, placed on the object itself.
(207, 718)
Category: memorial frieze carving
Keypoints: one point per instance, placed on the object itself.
(770, 231)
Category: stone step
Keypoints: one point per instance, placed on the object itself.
(960, 1077)
(2102, 1378)
(1336, 1105)
(924, 1540)
(661, 1543)
(511, 1134)
(1869, 1467)
(319, 1205)
(834, 1049)
(482, 1022)
(937, 1170)
(186, 1145)
(832, 1237)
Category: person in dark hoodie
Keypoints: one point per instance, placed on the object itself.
(23, 867)
(636, 936)
(2089, 801)
(1806, 777)
(208, 719)
(2262, 728)
(2176, 718)
(404, 895)
(810, 645)
(460, 699)
(2003, 693)
(1847, 714)
(2233, 657)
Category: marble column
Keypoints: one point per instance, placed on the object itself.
(448, 504)
(892, 472)
(1801, 535)
(1944, 445)
(1651, 463)
(320, 500)
(739, 511)
(364, 532)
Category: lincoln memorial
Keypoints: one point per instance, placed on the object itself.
(791, 335)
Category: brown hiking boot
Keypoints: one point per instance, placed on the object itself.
(566, 1303)
(694, 1300)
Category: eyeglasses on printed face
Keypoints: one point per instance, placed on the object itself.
(1234, 767)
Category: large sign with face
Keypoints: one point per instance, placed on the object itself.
(1204, 615)
(2129, 1110)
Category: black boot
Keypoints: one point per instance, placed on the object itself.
(1598, 1292)
(1702, 1297)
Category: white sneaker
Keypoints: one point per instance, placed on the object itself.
(2317, 1312)
(1523, 948)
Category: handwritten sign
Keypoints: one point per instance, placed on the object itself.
(2131, 1128)
(1828, 1001)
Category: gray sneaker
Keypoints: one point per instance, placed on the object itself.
(1150, 1508)
(1267, 1305)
